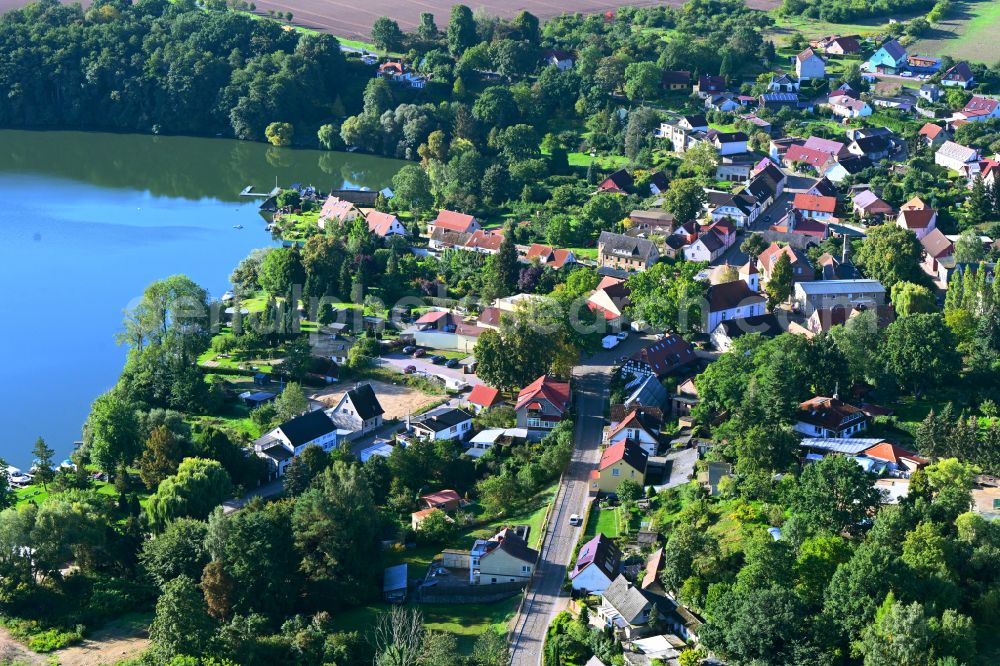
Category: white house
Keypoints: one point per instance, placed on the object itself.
(442, 424)
(808, 65)
(707, 247)
(849, 107)
(958, 158)
(358, 411)
(596, 566)
(732, 300)
(730, 143)
(385, 224)
(283, 443)
(632, 428)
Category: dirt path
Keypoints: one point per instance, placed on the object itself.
(115, 642)
(12, 652)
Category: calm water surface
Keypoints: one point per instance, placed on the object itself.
(88, 220)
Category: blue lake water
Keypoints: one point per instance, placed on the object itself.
(87, 221)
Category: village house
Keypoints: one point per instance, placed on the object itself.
(890, 58)
(849, 107)
(729, 330)
(660, 358)
(708, 246)
(710, 85)
(920, 64)
(358, 411)
(730, 143)
(340, 210)
(843, 46)
(958, 158)
(930, 92)
(623, 461)
(799, 156)
(976, 109)
(896, 460)
(867, 205)
(441, 424)
(444, 500)
(731, 300)
(684, 398)
(829, 417)
(541, 405)
(775, 101)
(802, 270)
(648, 223)
(637, 428)
(610, 300)
(562, 60)
(548, 256)
(417, 518)
(680, 130)
(783, 83)
(450, 220)
(814, 206)
(626, 609)
(620, 182)
(676, 80)
(398, 72)
(960, 75)
(811, 296)
(917, 216)
(597, 565)
(937, 247)
(808, 65)
(646, 391)
(823, 319)
(875, 148)
(726, 102)
(504, 558)
(625, 252)
(482, 398)
(741, 208)
(658, 182)
(278, 446)
(384, 225)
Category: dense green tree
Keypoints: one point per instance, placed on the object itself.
(279, 134)
(42, 468)
(668, 297)
(386, 34)
(779, 286)
(182, 625)
(198, 487)
(969, 248)
(891, 254)
(909, 298)
(161, 457)
(114, 432)
(835, 495)
(684, 199)
(461, 30)
(178, 551)
(919, 352)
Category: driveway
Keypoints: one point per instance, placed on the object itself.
(545, 598)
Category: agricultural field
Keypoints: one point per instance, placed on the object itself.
(971, 34)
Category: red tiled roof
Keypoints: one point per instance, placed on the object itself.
(930, 130)
(441, 497)
(980, 106)
(555, 392)
(484, 396)
(453, 221)
(490, 317)
(815, 202)
(815, 158)
(486, 240)
(380, 223)
(431, 317)
(894, 454)
(917, 219)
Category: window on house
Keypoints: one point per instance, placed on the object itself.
(493, 580)
(616, 472)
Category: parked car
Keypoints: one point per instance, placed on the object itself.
(437, 359)
(575, 520)
(451, 363)
(622, 335)
(610, 341)
(409, 370)
(409, 349)
(419, 352)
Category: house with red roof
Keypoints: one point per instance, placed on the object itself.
(551, 257)
(335, 208)
(799, 156)
(898, 461)
(483, 397)
(385, 224)
(541, 405)
(815, 206)
(620, 182)
(937, 248)
(597, 564)
(634, 428)
(609, 300)
(933, 135)
(978, 108)
(802, 269)
(450, 220)
(621, 461)
(918, 217)
(446, 500)
(829, 418)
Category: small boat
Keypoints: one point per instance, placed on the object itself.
(237, 226)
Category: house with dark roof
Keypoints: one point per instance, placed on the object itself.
(802, 269)
(710, 85)
(626, 608)
(597, 565)
(830, 418)
(741, 208)
(625, 252)
(646, 391)
(676, 80)
(660, 358)
(937, 247)
(874, 148)
(503, 558)
(620, 182)
(648, 223)
(283, 443)
(731, 300)
(358, 411)
(959, 75)
(891, 58)
(625, 460)
(658, 182)
(441, 424)
(541, 405)
(848, 45)
(557, 58)
(729, 330)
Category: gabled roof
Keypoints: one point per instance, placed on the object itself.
(714, 83)
(380, 223)
(812, 157)
(872, 144)
(484, 396)
(632, 420)
(769, 257)
(508, 541)
(620, 179)
(805, 55)
(847, 44)
(675, 76)
(628, 246)
(666, 354)
(980, 106)
(825, 188)
(304, 429)
(866, 286)
(936, 244)
(894, 454)
(894, 49)
(365, 402)
(729, 295)
(485, 240)
(826, 412)
(626, 598)
(648, 393)
(916, 219)
(442, 419)
(654, 564)
(545, 387)
(441, 497)
(600, 552)
(956, 151)
(453, 221)
(959, 72)
(824, 145)
(854, 163)
(766, 324)
(813, 202)
(629, 452)
(490, 316)
(868, 199)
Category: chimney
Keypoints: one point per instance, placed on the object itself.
(843, 251)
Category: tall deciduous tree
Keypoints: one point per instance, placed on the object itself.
(461, 30)
(386, 34)
(198, 487)
(909, 298)
(684, 199)
(890, 254)
(835, 495)
(182, 625)
(113, 431)
(779, 286)
(920, 352)
(42, 470)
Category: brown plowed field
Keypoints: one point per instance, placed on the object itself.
(353, 18)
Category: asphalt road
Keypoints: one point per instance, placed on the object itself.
(544, 598)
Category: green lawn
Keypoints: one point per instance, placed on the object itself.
(465, 621)
(601, 161)
(585, 252)
(601, 521)
(785, 26)
(970, 33)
